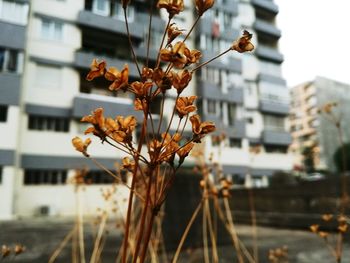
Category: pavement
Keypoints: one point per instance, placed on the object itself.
(41, 236)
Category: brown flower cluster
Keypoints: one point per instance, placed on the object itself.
(16, 250)
(160, 139)
(278, 255)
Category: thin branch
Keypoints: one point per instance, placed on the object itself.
(210, 60)
(184, 235)
(116, 177)
(130, 43)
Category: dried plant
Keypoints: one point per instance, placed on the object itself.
(278, 255)
(328, 111)
(154, 157)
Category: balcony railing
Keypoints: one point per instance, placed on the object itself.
(276, 137)
(83, 60)
(9, 88)
(275, 107)
(12, 36)
(212, 91)
(108, 23)
(267, 28)
(84, 104)
(269, 53)
(267, 5)
(237, 130)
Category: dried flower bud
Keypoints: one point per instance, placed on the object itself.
(314, 228)
(173, 7)
(173, 32)
(327, 217)
(19, 249)
(5, 251)
(81, 146)
(343, 228)
(243, 44)
(323, 234)
(97, 69)
(203, 5)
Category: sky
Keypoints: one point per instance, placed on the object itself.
(315, 39)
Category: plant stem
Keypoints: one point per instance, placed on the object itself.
(97, 243)
(211, 232)
(80, 226)
(62, 245)
(233, 229)
(149, 31)
(133, 183)
(161, 44)
(254, 224)
(210, 60)
(143, 217)
(184, 235)
(205, 235)
(130, 43)
(147, 238)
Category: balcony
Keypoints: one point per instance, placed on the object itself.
(237, 130)
(272, 79)
(107, 23)
(211, 90)
(83, 60)
(274, 107)
(266, 28)
(205, 26)
(12, 36)
(9, 88)
(234, 95)
(227, 6)
(231, 64)
(7, 157)
(267, 5)
(207, 89)
(276, 137)
(84, 104)
(269, 53)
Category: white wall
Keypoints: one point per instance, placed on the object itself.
(6, 192)
(9, 129)
(60, 95)
(62, 200)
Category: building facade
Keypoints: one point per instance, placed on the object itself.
(44, 92)
(315, 131)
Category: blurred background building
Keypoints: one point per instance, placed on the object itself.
(46, 47)
(315, 136)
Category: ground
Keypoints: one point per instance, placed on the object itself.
(42, 236)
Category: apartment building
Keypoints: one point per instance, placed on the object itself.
(245, 95)
(316, 131)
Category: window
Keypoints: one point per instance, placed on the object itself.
(235, 143)
(44, 123)
(276, 148)
(14, 12)
(101, 7)
(3, 113)
(231, 110)
(99, 177)
(274, 122)
(48, 77)
(250, 120)
(211, 106)
(119, 12)
(10, 60)
(51, 29)
(48, 177)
